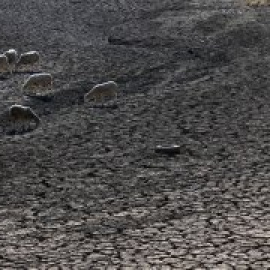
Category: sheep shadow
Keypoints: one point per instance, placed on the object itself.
(12, 130)
(24, 72)
(73, 95)
(104, 106)
(4, 77)
(34, 98)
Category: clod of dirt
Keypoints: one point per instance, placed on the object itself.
(168, 150)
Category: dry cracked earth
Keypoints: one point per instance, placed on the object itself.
(86, 189)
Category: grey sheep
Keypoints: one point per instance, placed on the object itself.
(100, 91)
(27, 59)
(12, 56)
(21, 114)
(4, 65)
(38, 83)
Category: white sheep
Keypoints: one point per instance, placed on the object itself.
(12, 56)
(258, 2)
(100, 91)
(4, 65)
(28, 59)
(38, 84)
(19, 114)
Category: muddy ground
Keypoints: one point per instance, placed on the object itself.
(86, 190)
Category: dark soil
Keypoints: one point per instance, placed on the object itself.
(87, 190)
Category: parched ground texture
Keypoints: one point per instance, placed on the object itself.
(86, 189)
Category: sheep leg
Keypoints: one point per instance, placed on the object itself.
(15, 126)
(13, 68)
(35, 67)
(26, 126)
(38, 64)
(35, 89)
(10, 70)
(21, 126)
(29, 127)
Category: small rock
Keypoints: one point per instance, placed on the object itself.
(168, 150)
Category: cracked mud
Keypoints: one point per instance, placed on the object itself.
(86, 190)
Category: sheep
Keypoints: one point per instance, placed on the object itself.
(12, 56)
(21, 114)
(38, 83)
(27, 59)
(100, 91)
(4, 65)
(257, 2)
